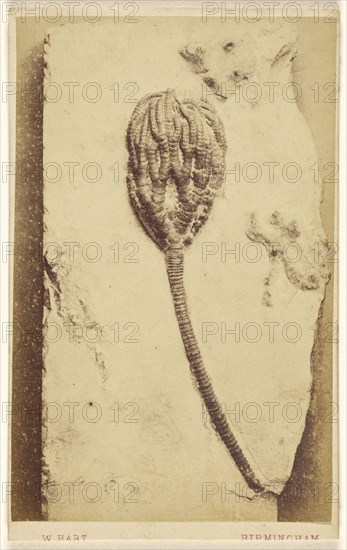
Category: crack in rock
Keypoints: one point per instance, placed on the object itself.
(70, 306)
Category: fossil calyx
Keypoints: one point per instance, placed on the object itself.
(176, 165)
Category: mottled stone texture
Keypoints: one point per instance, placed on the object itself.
(161, 451)
(26, 371)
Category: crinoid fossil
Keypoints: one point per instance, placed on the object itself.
(176, 166)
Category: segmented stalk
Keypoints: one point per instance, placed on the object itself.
(175, 267)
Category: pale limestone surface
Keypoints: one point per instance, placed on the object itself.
(171, 452)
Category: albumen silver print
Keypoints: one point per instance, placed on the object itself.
(174, 266)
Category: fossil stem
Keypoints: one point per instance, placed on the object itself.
(174, 265)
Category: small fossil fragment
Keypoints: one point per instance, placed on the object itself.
(176, 166)
(277, 235)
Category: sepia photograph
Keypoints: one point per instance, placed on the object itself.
(173, 255)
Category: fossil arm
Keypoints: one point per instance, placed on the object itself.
(176, 166)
